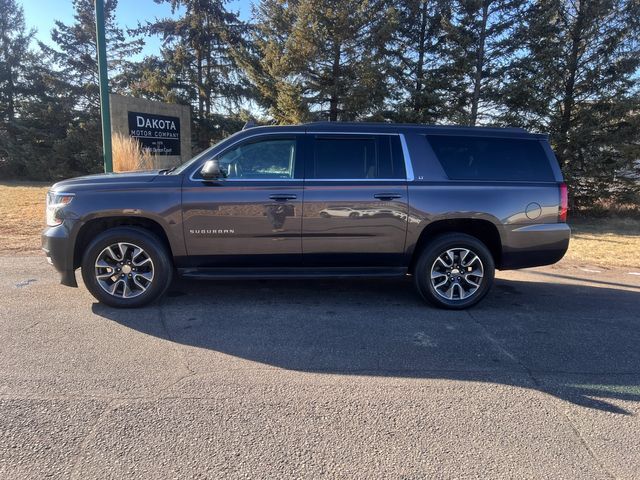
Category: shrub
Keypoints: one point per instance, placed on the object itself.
(129, 155)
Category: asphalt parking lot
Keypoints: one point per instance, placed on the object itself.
(340, 379)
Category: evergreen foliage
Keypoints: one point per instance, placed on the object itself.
(568, 68)
(321, 59)
(576, 78)
(196, 66)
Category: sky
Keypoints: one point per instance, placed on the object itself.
(42, 14)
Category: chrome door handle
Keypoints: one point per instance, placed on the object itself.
(387, 196)
(283, 197)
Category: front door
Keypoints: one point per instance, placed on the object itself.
(253, 217)
(355, 201)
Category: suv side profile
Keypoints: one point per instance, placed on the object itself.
(447, 205)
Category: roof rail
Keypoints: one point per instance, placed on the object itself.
(416, 125)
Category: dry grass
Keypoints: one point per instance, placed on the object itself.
(22, 213)
(606, 243)
(128, 155)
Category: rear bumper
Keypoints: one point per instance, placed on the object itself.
(58, 248)
(533, 245)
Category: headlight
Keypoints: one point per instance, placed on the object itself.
(55, 201)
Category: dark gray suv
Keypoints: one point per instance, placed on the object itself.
(446, 205)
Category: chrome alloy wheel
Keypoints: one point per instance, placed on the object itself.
(456, 274)
(124, 270)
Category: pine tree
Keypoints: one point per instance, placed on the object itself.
(478, 47)
(25, 132)
(73, 58)
(577, 78)
(416, 53)
(196, 65)
(15, 59)
(321, 59)
(266, 65)
(75, 52)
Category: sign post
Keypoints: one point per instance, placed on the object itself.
(104, 86)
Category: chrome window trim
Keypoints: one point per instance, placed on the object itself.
(405, 153)
(250, 180)
(353, 180)
(353, 133)
(408, 166)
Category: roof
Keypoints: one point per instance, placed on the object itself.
(379, 127)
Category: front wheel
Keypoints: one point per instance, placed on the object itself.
(126, 267)
(454, 271)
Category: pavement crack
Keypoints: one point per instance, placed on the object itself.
(581, 440)
(35, 324)
(500, 348)
(174, 383)
(180, 352)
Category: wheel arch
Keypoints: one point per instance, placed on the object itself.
(93, 227)
(484, 230)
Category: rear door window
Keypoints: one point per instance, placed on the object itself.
(482, 158)
(355, 157)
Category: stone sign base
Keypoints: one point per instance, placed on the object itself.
(163, 128)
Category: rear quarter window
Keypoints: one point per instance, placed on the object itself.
(482, 158)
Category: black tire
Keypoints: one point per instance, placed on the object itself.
(160, 266)
(456, 243)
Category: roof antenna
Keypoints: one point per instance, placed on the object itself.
(249, 124)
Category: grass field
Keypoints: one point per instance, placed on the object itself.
(606, 243)
(22, 211)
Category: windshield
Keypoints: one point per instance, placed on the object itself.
(181, 168)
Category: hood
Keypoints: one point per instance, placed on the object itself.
(107, 180)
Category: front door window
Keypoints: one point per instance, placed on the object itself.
(260, 160)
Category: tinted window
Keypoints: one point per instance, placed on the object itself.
(262, 159)
(480, 158)
(346, 157)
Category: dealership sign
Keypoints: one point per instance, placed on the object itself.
(157, 133)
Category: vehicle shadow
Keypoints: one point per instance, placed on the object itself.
(576, 342)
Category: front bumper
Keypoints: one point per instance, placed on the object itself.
(533, 245)
(58, 247)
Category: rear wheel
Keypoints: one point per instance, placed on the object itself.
(454, 271)
(126, 267)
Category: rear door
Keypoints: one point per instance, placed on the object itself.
(355, 200)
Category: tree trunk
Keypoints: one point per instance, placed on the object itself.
(207, 74)
(199, 84)
(568, 99)
(477, 81)
(10, 89)
(417, 101)
(206, 87)
(335, 94)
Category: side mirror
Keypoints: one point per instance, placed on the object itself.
(211, 170)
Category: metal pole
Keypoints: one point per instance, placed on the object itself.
(104, 86)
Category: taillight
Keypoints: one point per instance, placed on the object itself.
(564, 203)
